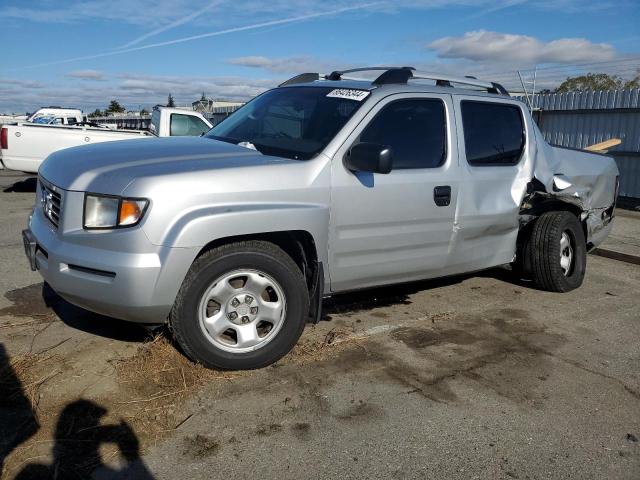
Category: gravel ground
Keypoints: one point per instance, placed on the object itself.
(468, 377)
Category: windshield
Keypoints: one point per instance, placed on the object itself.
(290, 122)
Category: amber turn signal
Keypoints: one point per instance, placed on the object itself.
(130, 212)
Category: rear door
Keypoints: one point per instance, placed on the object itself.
(495, 169)
(387, 228)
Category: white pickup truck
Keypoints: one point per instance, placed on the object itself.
(56, 116)
(25, 145)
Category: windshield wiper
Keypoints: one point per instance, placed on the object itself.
(247, 144)
(224, 139)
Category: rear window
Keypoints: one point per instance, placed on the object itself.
(493, 133)
(186, 125)
(155, 122)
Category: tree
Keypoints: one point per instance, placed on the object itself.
(597, 81)
(96, 113)
(114, 107)
(170, 102)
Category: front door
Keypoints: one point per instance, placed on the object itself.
(388, 228)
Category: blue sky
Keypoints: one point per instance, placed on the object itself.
(84, 53)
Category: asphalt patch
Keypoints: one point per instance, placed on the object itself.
(198, 447)
(35, 301)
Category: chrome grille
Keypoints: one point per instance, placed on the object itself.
(51, 202)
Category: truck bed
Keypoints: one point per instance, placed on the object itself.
(29, 144)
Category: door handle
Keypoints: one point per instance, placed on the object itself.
(442, 195)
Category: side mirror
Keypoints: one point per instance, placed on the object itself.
(369, 157)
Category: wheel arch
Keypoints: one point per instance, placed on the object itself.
(544, 205)
(298, 244)
(301, 247)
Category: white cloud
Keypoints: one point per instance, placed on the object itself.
(482, 45)
(130, 89)
(140, 12)
(294, 64)
(217, 33)
(157, 14)
(162, 15)
(86, 75)
(174, 24)
(19, 83)
(233, 16)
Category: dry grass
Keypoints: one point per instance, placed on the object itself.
(155, 383)
(309, 350)
(21, 380)
(153, 389)
(29, 368)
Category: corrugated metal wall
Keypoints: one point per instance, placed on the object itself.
(579, 119)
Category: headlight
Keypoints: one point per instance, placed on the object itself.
(106, 211)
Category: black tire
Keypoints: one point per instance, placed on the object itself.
(541, 252)
(257, 255)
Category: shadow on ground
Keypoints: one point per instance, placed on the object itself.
(27, 185)
(18, 423)
(77, 439)
(399, 294)
(40, 302)
(93, 323)
(76, 451)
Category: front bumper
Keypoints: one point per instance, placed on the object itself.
(138, 286)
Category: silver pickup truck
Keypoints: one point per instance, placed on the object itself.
(323, 185)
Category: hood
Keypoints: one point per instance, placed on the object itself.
(110, 166)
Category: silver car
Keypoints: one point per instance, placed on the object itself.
(322, 185)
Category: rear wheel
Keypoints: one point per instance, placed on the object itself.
(241, 306)
(555, 252)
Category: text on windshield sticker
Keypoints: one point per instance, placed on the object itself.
(349, 94)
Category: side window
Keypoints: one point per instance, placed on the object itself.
(71, 120)
(186, 125)
(493, 133)
(415, 129)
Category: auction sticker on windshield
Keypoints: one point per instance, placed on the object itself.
(348, 93)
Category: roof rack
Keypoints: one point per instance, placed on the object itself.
(302, 78)
(446, 81)
(401, 75)
(337, 75)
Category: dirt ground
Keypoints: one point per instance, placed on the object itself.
(468, 377)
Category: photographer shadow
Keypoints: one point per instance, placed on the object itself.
(18, 423)
(76, 452)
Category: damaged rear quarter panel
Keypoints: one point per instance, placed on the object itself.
(583, 179)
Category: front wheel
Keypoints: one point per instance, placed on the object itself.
(241, 306)
(556, 252)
